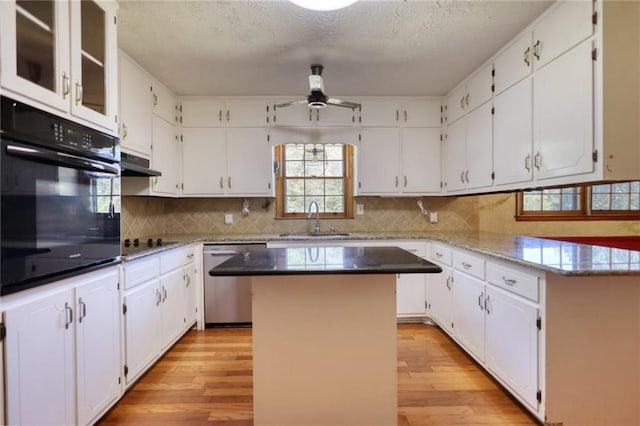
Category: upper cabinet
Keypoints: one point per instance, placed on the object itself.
(471, 94)
(62, 56)
(136, 106)
(206, 111)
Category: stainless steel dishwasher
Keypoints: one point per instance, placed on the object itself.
(227, 300)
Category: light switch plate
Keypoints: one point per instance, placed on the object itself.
(228, 219)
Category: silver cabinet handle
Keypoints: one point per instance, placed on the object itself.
(228, 116)
(527, 56)
(527, 162)
(448, 282)
(466, 99)
(536, 50)
(229, 181)
(78, 93)
(462, 176)
(509, 281)
(466, 265)
(125, 131)
(65, 85)
(466, 175)
(438, 254)
(68, 316)
(487, 304)
(164, 293)
(220, 116)
(405, 181)
(397, 116)
(82, 307)
(396, 181)
(188, 278)
(190, 256)
(536, 160)
(462, 102)
(480, 301)
(158, 297)
(221, 184)
(405, 115)
(155, 100)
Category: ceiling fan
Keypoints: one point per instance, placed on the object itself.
(317, 99)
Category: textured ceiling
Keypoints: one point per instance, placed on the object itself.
(257, 47)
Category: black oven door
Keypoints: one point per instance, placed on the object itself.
(60, 215)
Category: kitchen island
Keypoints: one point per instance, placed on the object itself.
(324, 332)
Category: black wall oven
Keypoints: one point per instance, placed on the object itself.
(60, 198)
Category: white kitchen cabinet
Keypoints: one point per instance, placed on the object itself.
(514, 63)
(246, 112)
(440, 286)
(421, 160)
(248, 162)
(411, 295)
(98, 345)
(470, 95)
(421, 113)
(566, 26)
(512, 342)
(379, 112)
(164, 102)
(62, 55)
(136, 108)
(563, 141)
(63, 351)
(204, 161)
(191, 283)
(165, 156)
(379, 161)
(204, 111)
(172, 307)
(468, 313)
(142, 327)
(513, 134)
(208, 111)
(468, 151)
(40, 361)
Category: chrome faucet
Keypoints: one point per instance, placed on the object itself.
(316, 226)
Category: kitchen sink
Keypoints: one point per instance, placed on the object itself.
(313, 235)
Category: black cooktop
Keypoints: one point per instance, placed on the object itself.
(137, 245)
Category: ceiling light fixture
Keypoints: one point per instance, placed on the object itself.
(323, 5)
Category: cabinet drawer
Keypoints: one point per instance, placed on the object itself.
(517, 281)
(441, 254)
(468, 263)
(189, 254)
(140, 271)
(171, 260)
(416, 248)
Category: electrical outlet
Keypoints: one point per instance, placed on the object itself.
(359, 209)
(433, 217)
(228, 219)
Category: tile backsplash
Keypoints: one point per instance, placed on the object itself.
(150, 216)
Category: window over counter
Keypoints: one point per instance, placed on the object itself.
(607, 201)
(314, 172)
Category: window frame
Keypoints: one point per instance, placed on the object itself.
(348, 174)
(584, 213)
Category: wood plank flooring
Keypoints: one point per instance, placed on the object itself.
(206, 379)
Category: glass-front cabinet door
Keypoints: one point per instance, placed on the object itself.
(93, 59)
(35, 59)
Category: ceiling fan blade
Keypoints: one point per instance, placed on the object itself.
(297, 102)
(339, 102)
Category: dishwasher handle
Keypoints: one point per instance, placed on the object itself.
(221, 252)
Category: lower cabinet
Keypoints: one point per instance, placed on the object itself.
(191, 293)
(63, 351)
(172, 289)
(468, 313)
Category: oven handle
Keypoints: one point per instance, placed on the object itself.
(61, 159)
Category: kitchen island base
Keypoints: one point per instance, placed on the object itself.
(324, 350)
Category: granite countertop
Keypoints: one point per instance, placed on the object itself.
(560, 257)
(324, 260)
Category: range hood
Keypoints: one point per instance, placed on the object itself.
(134, 166)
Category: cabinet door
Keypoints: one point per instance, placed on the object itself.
(421, 160)
(411, 295)
(98, 345)
(513, 134)
(479, 88)
(34, 38)
(248, 162)
(379, 157)
(455, 104)
(563, 115)
(455, 162)
(440, 299)
(142, 327)
(299, 115)
(164, 102)
(172, 307)
(40, 361)
(203, 161)
(246, 113)
(135, 107)
(333, 116)
(421, 113)
(512, 342)
(94, 62)
(479, 147)
(468, 312)
(561, 29)
(514, 64)
(166, 152)
(203, 112)
(379, 113)
(190, 294)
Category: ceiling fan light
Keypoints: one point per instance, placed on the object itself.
(323, 5)
(317, 104)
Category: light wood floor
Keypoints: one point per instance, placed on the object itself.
(206, 379)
